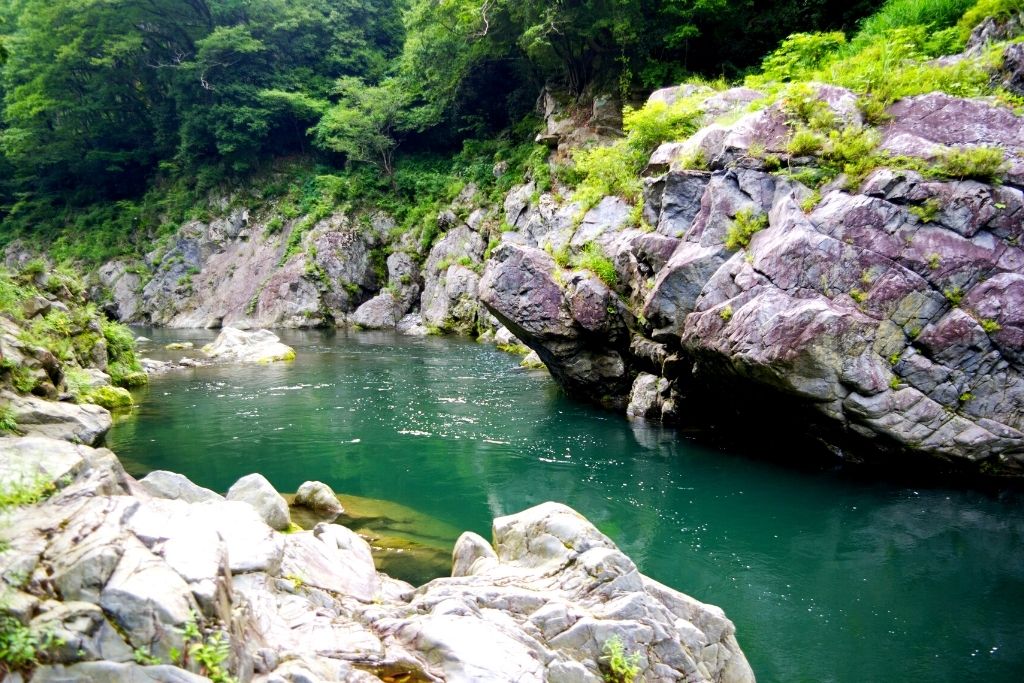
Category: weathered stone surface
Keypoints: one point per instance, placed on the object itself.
(114, 572)
(382, 312)
(258, 346)
(404, 280)
(255, 490)
(124, 288)
(113, 672)
(449, 302)
(927, 125)
(86, 424)
(174, 486)
(576, 331)
(319, 497)
(147, 599)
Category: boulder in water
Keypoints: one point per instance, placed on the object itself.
(319, 497)
(258, 346)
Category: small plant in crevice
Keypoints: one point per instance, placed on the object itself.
(726, 313)
(26, 492)
(805, 142)
(619, 667)
(990, 326)
(934, 261)
(22, 649)
(206, 651)
(743, 228)
(8, 421)
(927, 212)
(978, 163)
(594, 260)
(811, 201)
(143, 658)
(954, 295)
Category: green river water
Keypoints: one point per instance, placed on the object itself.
(828, 575)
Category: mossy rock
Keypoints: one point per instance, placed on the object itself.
(133, 380)
(111, 398)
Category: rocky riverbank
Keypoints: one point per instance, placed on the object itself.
(114, 579)
(853, 268)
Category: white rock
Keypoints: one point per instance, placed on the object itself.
(174, 486)
(258, 346)
(255, 490)
(319, 497)
(66, 421)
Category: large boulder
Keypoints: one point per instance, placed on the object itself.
(567, 591)
(174, 486)
(578, 331)
(258, 346)
(85, 423)
(255, 490)
(382, 312)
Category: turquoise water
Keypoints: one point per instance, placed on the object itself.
(828, 577)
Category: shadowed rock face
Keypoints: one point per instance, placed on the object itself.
(892, 312)
(578, 327)
(113, 568)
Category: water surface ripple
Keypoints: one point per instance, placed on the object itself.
(828, 577)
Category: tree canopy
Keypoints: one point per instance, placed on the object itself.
(100, 96)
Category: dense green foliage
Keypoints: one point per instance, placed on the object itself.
(119, 116)
(75, 333)
(122, 118)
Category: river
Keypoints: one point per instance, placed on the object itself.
(829, 575)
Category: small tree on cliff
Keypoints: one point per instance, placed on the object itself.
(366, 124)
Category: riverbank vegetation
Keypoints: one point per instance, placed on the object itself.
(122, 121)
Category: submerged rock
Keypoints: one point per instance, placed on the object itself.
(258, 346)
(319, 497)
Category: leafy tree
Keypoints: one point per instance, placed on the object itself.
(262, 77)
(84, 101)
(367, 123)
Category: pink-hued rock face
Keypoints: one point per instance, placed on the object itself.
(900, 325)
(924, 126)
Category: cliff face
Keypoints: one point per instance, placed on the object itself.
(892, 308)
(880, 309)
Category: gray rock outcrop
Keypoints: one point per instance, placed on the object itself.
(255, 490)
(85, 423)
(115, 573)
